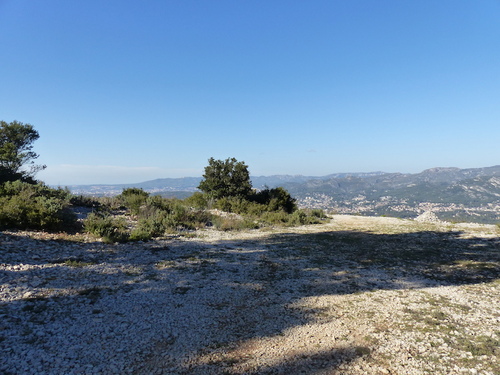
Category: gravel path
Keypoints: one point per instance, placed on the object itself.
(355, 296)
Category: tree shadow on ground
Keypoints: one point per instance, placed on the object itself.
(191, 291)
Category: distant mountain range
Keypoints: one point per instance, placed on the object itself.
(181, 186)
(451, 193)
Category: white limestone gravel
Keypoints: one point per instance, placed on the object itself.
(297, 300)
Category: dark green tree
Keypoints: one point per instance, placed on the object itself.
(226, 178)
(16, 155)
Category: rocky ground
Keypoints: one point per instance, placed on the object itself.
(358, 295)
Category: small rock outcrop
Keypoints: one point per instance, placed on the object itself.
(428, 217)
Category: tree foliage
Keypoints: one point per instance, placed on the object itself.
(277, 199)
(16, 155)
(226, 178)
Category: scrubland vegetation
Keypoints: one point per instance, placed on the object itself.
(35, 206)
(226, 200)
(135, 215)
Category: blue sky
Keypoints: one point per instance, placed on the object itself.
(127, 91)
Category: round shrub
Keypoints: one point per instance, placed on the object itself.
(35, 206)
(108, 228)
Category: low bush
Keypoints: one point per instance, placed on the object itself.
(156, 215)
(35, 206)
(298, 217)
(274, 218)
(186, 218)
(232, 204)
(146, 230)
(277, 199)
(233, 223)
(152, 222)
(133, 199)
(107, 227)
(320, 214)
(109, 204)
(85, 201)
(198, 200)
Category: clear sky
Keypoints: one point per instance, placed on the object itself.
(128, 91)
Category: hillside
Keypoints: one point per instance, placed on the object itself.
(453, 194)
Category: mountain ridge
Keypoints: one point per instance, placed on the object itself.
(454, 194)
(191, 183)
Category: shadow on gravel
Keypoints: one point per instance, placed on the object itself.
(317, 363)
(192, 291)
(321, 362)
(441, 257)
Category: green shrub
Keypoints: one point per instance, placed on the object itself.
(133, 199)
(85, 201)
(303, 217)
(140, 234)
(197, 200)
(299, 217)
(233, 223)
(35, 206)
(159, 202)
(110, 229)
(109, 203)
(181, 216)
(12, 188)
(320, 214)
(277, 199)
(152, 225)
(134, 191)
(232, 204)
(199, 218)
(158, 215)
(275, 218)
(146, 230)
(241, 206)
(256, 209)
(152, 207)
